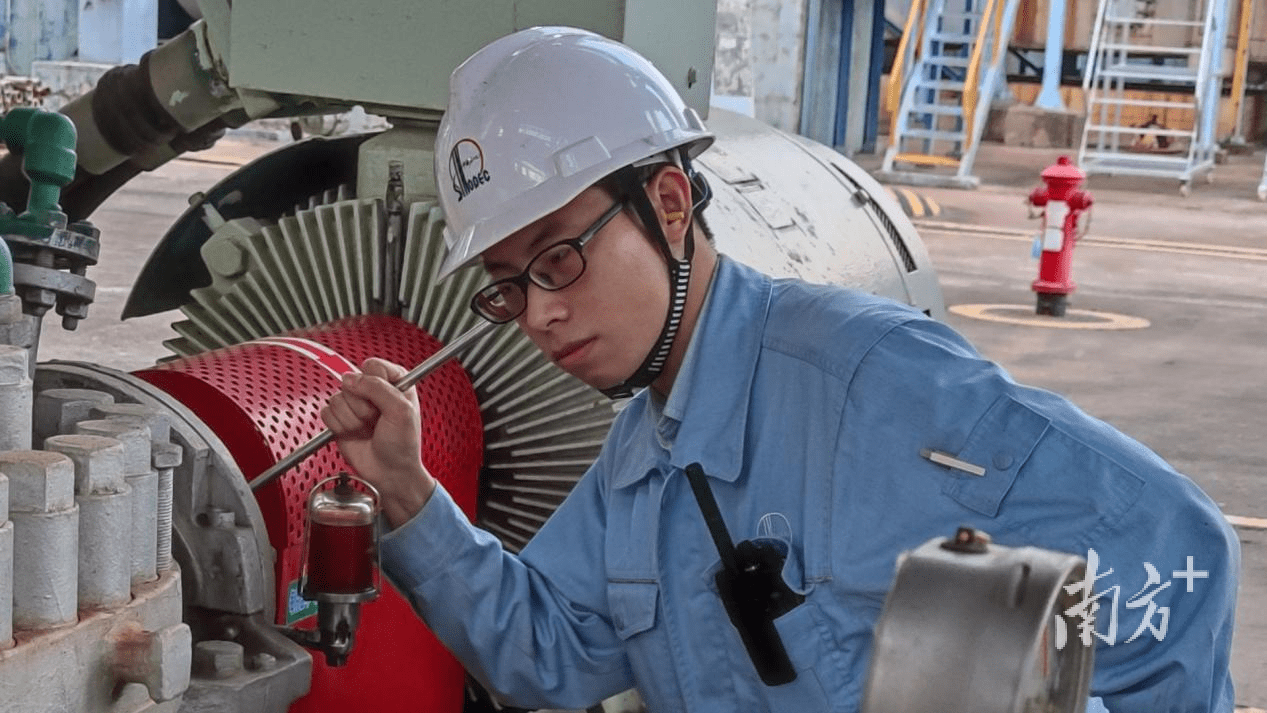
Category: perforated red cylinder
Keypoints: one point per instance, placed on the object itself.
(263, 399)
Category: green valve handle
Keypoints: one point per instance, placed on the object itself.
(47, 142)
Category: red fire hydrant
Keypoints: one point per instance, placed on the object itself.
(1064, 203)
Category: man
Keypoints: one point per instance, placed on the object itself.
(564, 169)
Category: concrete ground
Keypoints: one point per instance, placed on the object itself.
(1191, 384)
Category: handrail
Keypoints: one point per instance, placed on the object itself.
(1241, 57)
(1205, 119)
(995, 54)
(1094, 49)
(893, 97)
(971, 79)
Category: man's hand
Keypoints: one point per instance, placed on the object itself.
(378, 429)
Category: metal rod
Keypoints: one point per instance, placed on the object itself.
(415, 375)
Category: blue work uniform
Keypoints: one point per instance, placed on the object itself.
(808, 408)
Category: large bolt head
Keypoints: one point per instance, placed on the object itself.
(98, 461)
(160, 427)
(217, 659)
(135, 440)
(39, 481)
(225, 258)
(57, 410)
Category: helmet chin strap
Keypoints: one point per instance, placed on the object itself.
(653, 365)
(679, 278)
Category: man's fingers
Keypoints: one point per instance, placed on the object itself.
(353, 408)
(380, 393)
(376, 382)
(383, 369)
(345, 414)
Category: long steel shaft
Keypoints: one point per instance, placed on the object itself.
(407, 381)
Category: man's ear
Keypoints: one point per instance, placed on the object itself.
(670, 192)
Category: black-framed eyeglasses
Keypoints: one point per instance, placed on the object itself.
(552, 269)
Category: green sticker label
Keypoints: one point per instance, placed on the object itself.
(298, 608)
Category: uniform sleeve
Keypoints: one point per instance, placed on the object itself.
(1057, 478)
(533, 628)
(1166, 618)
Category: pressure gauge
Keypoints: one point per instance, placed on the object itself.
(970, 626)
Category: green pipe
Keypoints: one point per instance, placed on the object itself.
(46, 141)
(49, 163)
(6, 268)
(13, 128)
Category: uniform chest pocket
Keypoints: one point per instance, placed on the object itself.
(821, 680)
(633, 606)
(1001, 442)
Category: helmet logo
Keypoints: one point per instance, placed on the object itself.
(466, 167)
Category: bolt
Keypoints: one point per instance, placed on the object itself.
(84, 227)
(72, 310)
(166, 455)
(163, 553)
(135, 440)
(160, 427)
(12, 365)
(98, 461)
(225, 258)
(967, 540)
(217, 659)
(56, 410)
(37, 299)
(39, 481)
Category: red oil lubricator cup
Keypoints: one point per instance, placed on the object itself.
(341, 547)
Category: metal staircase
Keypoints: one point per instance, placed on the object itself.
(1135, 51)
(949, 64)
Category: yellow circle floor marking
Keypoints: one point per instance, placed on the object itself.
(1073, 319)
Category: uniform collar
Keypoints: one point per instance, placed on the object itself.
(705, 416)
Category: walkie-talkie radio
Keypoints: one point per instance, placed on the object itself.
(751, 587)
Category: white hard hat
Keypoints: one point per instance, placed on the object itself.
(535, 118)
